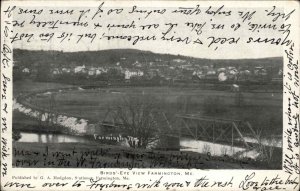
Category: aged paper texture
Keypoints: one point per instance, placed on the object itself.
(149, 95)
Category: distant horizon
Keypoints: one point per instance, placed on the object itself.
(81, 51)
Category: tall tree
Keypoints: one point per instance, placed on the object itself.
(136, 114)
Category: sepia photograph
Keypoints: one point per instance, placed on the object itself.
(149, 95)
(130, 108)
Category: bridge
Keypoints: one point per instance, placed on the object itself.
(215, 130)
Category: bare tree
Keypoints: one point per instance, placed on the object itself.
(136, 114)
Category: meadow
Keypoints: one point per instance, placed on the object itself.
(262, 110)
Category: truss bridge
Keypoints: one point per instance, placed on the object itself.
(216, 130)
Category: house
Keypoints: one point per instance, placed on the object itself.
(230, 68)
(199, 74)
(205, 67)
(137, 64)
(80, 69)
(152, 73)
(178, 60)
(244, 75)
(66, 70)
(98, 71)
(186, 66)
(92, 71)
(26, 70)
(280, 72)
(260, 71)
(131, 73)
(235, 88)
(104, 70)
(211, 72)
(233, 71)
(56, 71)
(219, 70)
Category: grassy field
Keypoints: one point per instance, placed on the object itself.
(262, 110)
(28, 86)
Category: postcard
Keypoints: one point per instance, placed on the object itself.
(150, 95)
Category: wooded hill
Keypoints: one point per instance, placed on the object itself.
(127, 58)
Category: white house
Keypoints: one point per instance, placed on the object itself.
(25, 70)
(235, 88)
(98, 71)
(221, 70)
(178, 60)
(245, 73)
(211, 72)
(79, 69)
(66, 70)
(130, 73)
(205, 67)
(56, 71)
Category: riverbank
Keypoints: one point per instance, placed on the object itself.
(25, 123)
(186, 159)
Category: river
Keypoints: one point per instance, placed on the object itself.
(186, 144)
(53, 138)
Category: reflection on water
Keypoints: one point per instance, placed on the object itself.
(186, 144)
(275, 142)
(204, 147)
(215, 149)
(52, 138)
(59, 138)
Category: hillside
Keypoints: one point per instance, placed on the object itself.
(126, 57)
